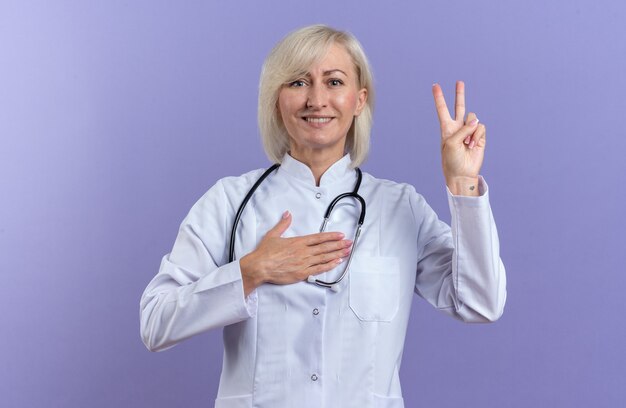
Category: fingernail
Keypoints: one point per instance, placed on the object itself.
(467, 140)
(474, 122)
(286, 215)
(340, 260)
(348, 242)
(472, 144)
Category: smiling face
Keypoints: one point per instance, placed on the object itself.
(318, 108)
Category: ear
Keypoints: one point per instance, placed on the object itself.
(361, 101)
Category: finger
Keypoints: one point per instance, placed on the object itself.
(327, 257)
(482, 142)
(322, 267)
(280, 228)
(330, 246)
(479, 136)
(320, 237)
(466, 131)
(470, 117)
(459, 105)
(440, 104)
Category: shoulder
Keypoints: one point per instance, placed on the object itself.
(231, 184)
(398, 198)
(239, 185)
(225, 193)
(392, 189)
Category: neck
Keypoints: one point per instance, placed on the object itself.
(318, 162)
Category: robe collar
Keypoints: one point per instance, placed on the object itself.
(338, 171)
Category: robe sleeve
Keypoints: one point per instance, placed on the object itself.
(196, 289)
(459, 270)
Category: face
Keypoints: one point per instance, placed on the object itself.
(318, 108)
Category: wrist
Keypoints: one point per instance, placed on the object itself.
(463, 186)
(250, 275)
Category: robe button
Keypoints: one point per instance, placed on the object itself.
(316, 311)
(318, 195)
(314, 377)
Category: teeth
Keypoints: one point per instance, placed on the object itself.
(318, 120)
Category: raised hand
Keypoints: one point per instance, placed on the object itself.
(283, 261)
(462, 143)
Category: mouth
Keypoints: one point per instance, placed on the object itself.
(317, 120)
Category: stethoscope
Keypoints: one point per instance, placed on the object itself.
(354, 194)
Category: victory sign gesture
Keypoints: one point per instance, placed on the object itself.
(462, 143)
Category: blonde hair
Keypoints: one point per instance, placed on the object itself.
(291, 58)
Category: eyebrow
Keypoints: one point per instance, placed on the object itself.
(329, 72)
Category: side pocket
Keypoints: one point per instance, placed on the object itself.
(388, 402)
(374, 288)
(239, 401)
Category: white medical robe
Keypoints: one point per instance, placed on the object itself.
(302, 345)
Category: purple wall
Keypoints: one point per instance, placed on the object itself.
(116, 116)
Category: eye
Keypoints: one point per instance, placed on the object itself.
(297, 84)
(335, 82)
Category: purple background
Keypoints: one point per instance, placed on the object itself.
(115, 116)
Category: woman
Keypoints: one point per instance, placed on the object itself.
(289, 341)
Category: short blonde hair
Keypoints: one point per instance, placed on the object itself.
(291, 58)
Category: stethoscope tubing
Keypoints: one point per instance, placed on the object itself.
(354, 194)
(231, 251)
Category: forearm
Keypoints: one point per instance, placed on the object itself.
(459, 269)
(251, 274)
(173, 310)
(480, 281)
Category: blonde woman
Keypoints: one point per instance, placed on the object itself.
(318, 319)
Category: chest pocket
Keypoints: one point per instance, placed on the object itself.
(374, 288)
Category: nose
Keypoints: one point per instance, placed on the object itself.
(317, 97)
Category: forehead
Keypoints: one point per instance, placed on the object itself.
(336, 57)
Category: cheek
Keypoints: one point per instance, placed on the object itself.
(347, 102)
(280, 104)
(287, 105)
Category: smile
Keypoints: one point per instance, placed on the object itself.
(317, 120)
